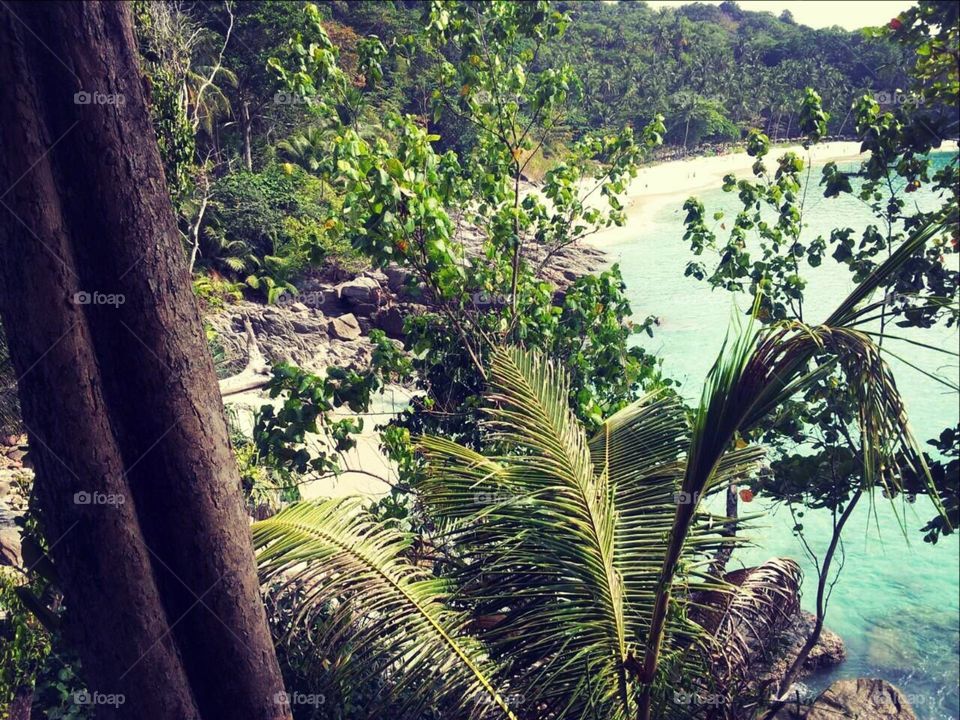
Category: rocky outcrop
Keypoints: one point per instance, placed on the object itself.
(362, 292)
(325, 321)
(560, 267)
(391, 320)
(14, 478)
(13, 451)
(828, 652)
(760, 628)
(293, 333)
(10, 546)
(861, 699)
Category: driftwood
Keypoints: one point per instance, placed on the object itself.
(254, 375)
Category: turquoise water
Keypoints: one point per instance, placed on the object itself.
(897, 603)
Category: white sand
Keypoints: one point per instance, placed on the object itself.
(367, 471)
(671, 183)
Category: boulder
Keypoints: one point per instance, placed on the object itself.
(327, 299)
(344, 327)
(860, 699)
(364, 310)
(10, 547)
(390, 320)
(828, 651)
(397, 279)
(361, 291)
(378, 275)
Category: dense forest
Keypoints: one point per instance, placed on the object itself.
(234, 226)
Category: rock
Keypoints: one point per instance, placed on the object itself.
(10, 547)
(16, 455)
(378, 275)
(344, 327)
(272, 322)
(299, 307)
(361, 291)
(397, 279)
(365, 310)
(828, 651)
(327, 299)
(861, 699)
(390, 320)
(309, 325)
(793, 711)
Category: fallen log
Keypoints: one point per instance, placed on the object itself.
(255, 375)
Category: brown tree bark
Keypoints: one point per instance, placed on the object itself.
(117, 385)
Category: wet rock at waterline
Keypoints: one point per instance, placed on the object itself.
(828, 652)
(860, 699)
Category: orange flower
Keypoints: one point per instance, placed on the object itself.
(746, 494)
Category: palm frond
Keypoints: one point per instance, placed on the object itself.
(758, 371)
(539, 543)
(345, 564)
(644, 449)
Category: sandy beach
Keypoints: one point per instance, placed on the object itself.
(671, 183)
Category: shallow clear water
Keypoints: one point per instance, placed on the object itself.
(897, 604)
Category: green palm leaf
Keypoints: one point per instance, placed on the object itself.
(644, 450)
(762, 368)
(397, 614)
(562, 539)
(539, 543)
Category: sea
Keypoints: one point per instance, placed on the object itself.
(896, 602)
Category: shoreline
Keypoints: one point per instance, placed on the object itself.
(673, 181)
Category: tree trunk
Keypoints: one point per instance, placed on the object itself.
(137, 488)
(247, 132)
(719, 565)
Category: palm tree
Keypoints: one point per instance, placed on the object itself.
(572, 563)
